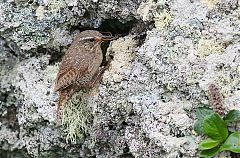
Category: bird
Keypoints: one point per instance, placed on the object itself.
(80, 66)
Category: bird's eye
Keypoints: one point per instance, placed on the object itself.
(92, 39)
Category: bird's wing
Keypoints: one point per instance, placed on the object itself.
(71, 68)
(65, 79)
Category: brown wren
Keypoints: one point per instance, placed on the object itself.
(80, 66)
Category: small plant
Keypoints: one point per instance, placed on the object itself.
(220, 138)
(217, 126)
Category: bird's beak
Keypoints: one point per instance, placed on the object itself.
(108, 38)
(105, 38)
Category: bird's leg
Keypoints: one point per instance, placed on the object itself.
(99, 74)
(97, 77)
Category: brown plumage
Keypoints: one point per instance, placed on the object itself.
(80, 66)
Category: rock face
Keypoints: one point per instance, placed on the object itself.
(144, 105)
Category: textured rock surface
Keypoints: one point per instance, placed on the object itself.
(144, 106)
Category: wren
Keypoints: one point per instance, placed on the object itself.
(80, 66)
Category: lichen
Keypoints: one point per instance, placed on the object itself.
(40, 12)
(146, 10)
(210, 3)
(226, 81)
(163, 19)
(143, 105)
(51, 72)
(56, 5)
(209, 46)
(122, 49)
(76, 117)
(30, 30)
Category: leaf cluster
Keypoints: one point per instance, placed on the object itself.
(219, 138)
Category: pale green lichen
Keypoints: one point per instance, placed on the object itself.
(76, 117)
(56, 5)
(145, 9)
(225, 80)
(40, 12)
(210, 3)
(51, 72)
(163, 19)
(209, 46)
(238, 69)
(2, 71)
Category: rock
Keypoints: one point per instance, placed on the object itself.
(143, 107)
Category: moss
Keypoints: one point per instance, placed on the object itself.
(209, 46)
(76, 117)
(163, 19)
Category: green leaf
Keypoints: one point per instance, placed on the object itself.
(201, 112)
(232, 143)
(210, 152)
(208, 144)
(198, 127)
(232, 116)
(215, 127)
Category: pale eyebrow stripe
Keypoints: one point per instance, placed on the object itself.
(86, 38)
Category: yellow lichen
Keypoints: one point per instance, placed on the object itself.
(238, 69)
(163, 19)
(40, 12)
(76, 117)
(145, 9)
(208, 46)
(210, 3)
(226, 81)
(123, 49)
(56, 5)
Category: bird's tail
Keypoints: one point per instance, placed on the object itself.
(64, 96)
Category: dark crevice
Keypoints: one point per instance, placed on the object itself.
(104, 47)
(55, 55)
(114, 26)
(3, 97)
(11, 47)
(13, 154)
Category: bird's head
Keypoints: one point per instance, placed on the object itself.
(91, 37)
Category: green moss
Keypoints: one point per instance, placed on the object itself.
(77, 117)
